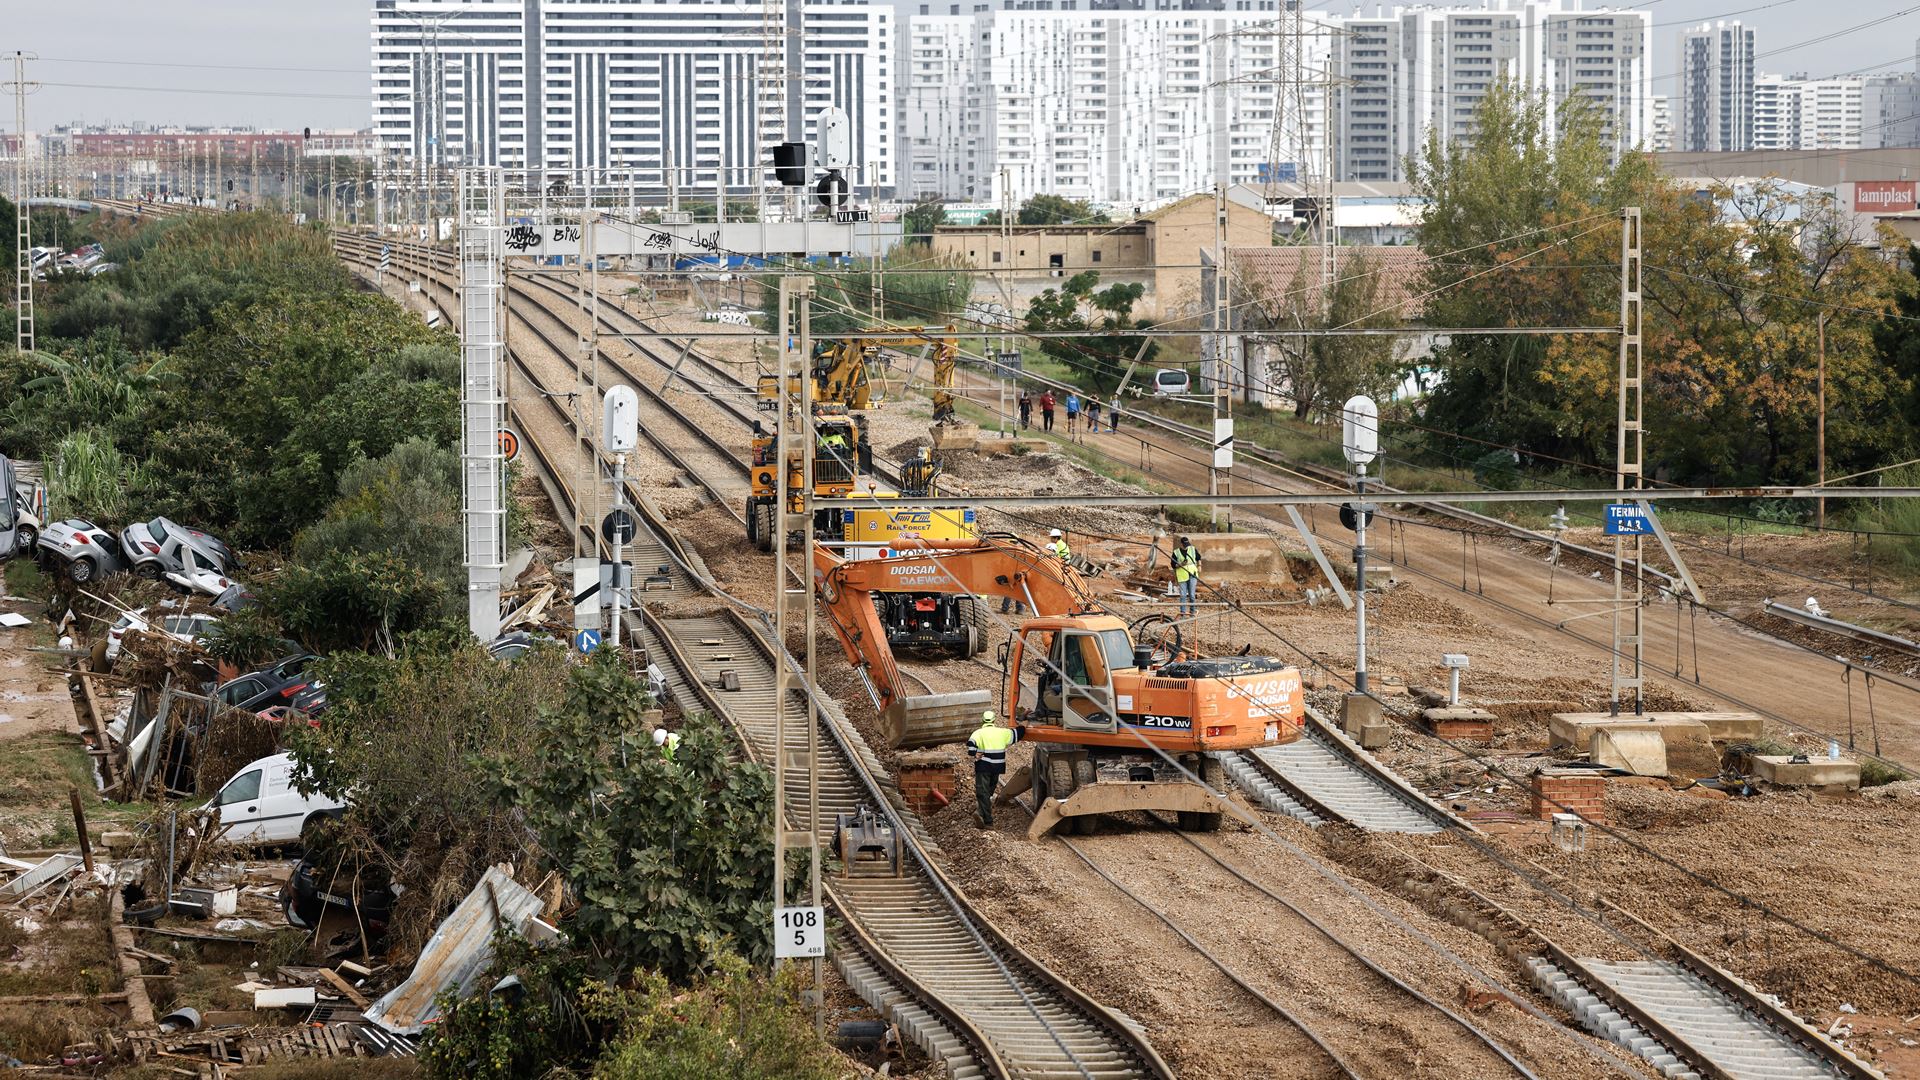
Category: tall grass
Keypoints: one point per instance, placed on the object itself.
(88, 477)
(1893, 516)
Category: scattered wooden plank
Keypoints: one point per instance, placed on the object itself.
(345, 987)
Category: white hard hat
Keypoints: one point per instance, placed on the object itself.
(1054, 533)
(987, 717)
(659, 736)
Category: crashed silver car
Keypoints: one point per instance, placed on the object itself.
(80, 549)
(157, 547)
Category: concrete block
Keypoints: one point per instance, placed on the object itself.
(1819, 772)
(1362, 720)
(1724, 727)
(1242, 559)
(1460, 724)
(1640, 752)
(1690, 750)
(958, 435)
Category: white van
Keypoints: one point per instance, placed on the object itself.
(1169, 382)
(260, 805)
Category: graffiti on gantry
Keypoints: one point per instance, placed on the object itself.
(563, 234)
(522, 237)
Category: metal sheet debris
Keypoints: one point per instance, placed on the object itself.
(458, 954)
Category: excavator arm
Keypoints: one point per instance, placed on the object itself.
(983, 568)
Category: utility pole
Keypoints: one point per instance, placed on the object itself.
(1629, 455)
(1820, 439)
(23, 218)
(793, 349)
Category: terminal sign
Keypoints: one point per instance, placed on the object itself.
(1628, 519)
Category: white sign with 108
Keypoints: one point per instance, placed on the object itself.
(799, 932)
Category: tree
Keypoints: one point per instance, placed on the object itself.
(673, 863)
(411, 737)
(1056, 210)
(922, 218)
(1499, 208)
(1320, 373)
(1100, 358)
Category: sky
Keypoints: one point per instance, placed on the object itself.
(126, 60)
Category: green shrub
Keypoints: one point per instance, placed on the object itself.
(732, 1023)
(88, 477)
(1874, 772)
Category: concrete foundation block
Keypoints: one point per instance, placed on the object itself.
(1642, 753)
(1460, 724)
(958, 435)
(1836, 776)
(1690, 750)
(1361, 718)
(1242, 559)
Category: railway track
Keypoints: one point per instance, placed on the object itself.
(1681, 1022)
(1314, 980)
(909, 942)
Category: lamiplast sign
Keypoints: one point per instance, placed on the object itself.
(1883, 196)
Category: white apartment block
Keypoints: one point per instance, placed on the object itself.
(552, 84)
(1776, 112)
(1662, 138)
(1716, 87)
(1890, 112)
(1119, 105)
(1830, 111)
(1423, 69)
(1793, 112)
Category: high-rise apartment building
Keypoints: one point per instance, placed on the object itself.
(1661, 140)
(1830, 111)
(1114, 101)
(1890, 111)
(1420, 69)
(1716, 80)
(1776, 112)
(550, 84)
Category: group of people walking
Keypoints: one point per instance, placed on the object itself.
(1049, 404)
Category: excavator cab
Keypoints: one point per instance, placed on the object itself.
(1084, 687)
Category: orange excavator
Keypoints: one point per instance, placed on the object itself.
(1114, 726)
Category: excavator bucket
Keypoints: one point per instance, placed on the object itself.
(932, 719)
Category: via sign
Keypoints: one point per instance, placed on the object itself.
(1628, 519)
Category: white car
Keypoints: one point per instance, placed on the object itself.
(185, 627)
(1170, 382)
(260, 805)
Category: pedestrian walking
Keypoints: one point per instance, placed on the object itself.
(1093, 415)
(1046, 410)
(1026, 409)
(1186, 575)
(1073, 411)
(1113, 412)
(988, 748)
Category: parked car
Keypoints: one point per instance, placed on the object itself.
(19, 526)
(157, 547)
(1170, 382)
(192, 628)
(85, 552)
(260, 805)
(284, 682)
(516, 644)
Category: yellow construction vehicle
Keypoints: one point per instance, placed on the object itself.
(1115, 726)
(841, 456)
(921, 623)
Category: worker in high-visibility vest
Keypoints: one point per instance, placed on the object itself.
(987, 746)
(667, 741)
(1186, 575)
(1057, 547)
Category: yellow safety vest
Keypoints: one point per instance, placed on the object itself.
(990, 742)
(1186, 563)
(1059, 549)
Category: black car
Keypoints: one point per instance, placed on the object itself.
(285, 682)
(320, 886)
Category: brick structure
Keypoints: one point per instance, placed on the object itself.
(1569, 791)
(1457, 724)
(920, 776)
